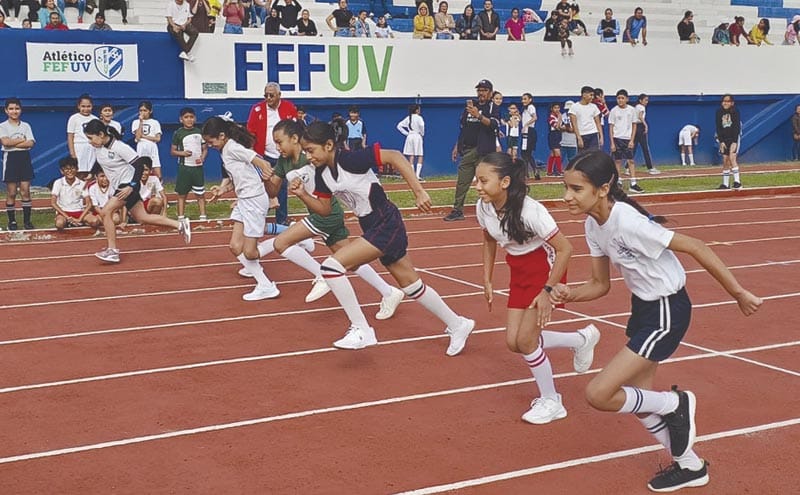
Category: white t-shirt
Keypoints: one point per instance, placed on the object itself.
(150, 127)
(116, 162)
(116, 126)
(75, 127)
(69, 197)
(638, 248)
(97, 195)
(306, 173)
(238, 164)
(622, 119)
(536, 218)
(641, 113)
(528, 113)
(270, 148)
(150, 189)
(179, 13)
(568, 139)
(14, 131)
(584, 115)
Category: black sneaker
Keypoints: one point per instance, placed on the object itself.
(537, 176)
(12, 226)
(674, 478)
(636, 188)
(723, 186)
(681, 423)
(29, 226)
(737, 185)
(454, 215)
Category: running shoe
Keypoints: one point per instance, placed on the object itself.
(544, 410)
(459, 336)
(185, 229)
(108, 255)
(390, 303)
(675, 477)
(318, 290)
(584, 354)
(269, 291)
(680, 423)
(357, 338)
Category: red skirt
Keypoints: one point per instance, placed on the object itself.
(529, 274)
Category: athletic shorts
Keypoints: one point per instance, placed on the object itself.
(554, 140)
(252, 213)
(74, 214)
(529, 274)
(133, 198)
(190, 179)
(590, 142)
(17, 166)
(330, 228)
(685, 138)
(513, 141)
(656, 328)
(529, 139)
(622, 152)
(728, 144)
(384, 229)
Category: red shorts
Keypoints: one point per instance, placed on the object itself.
(145, 202)
(529, 274)
(74, 214)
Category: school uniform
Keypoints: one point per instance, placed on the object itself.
(554, 136)
(353, 182)
(355, 134)
(586, 128)
(685, 135)
(145, 147)
(116, 159)
(69, 197)
(529, 263)
(17, 165)
(84, 152)
(639, 249)
(413, 128)
(253, 202)
(98, 196)
(150, 189)
(623, 119)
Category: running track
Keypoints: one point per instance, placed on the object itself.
(153, 376)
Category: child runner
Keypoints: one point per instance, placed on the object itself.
(729, 131)
(239, 164)
(555, 122)
(77, 142)
(17, 139)
(147, 132)
(688, 135)
(107, 117)
(124, 169)
(537, 254)
(188, 146)
(291, 165)
(622, 134)
(621, 232)
(67, 196)
(348, 175)
(413, 128)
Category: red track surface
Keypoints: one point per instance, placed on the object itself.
(153, 376)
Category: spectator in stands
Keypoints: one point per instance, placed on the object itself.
(3, 24)
(78, 4)
(423, 23)
(515, 26)
(258, 12)
(272, 24)
(551, 26)
(121, 5)
(489, 21)
(55, 23)
(721, 35)
(792, 30)
(467, 26)
(200, 15)
(686, 33)
(179, 22)
(737, 30)
(576, 25)
(213, 13)
(636, 26)
(563, 36)
(288, 12)
(758, 34)
(99, 23)
(362, 25)
(67, 195)
(6, 7)
(382, 13)
(26, 24)
(444, 23)
(796, 133)
(305, 26)
(562, 9)
(342, 16)
(383, 29)
(48, 7)
(233, 12)
(608, 29)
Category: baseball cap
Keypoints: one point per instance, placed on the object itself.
(568, 104)
(485, 84)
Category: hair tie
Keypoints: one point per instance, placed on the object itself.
(227, 116)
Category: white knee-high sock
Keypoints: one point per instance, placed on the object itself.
(301, 258)
(550, 339)
(254, 268)
(691, 158)
(266, 247)
(683, 158)
(726, 177)
(540, 367)
(736, 176)
(431, 301)
(334, 274)
(419, 170)
(639, 401)
(657, 427)
(370, 276)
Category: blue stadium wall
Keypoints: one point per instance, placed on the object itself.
(48, 105)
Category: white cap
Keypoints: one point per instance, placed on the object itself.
(568, 104)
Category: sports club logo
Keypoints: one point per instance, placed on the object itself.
(109, 61)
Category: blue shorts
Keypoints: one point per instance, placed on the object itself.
(554, 140)
(590, 142)
(384, 229)
(623, 151)
(656, 328)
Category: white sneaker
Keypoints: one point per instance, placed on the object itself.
(307, 244)
(459, 336)
(544, 410)
(654, 171)
(390, 303)
(183, 55)
(108, 255)
(584, 354)
(244, 273)
(203, 218)
(319, 289)
(185, 229)
(357, 338)
(262, 292)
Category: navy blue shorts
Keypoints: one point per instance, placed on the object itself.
(623, 152)
(17, 166)
(656, 328)
(132, 198)
(384, 229)
(554, 140)
(590, 142)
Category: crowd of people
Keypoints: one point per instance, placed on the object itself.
(49, 14)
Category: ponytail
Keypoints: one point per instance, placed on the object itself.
(320, 132)
(96, 127)
(290, 128)
(511, 221)
(600, 170)
(219, 124)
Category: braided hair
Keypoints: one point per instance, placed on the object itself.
(511, 221)
(599, 168)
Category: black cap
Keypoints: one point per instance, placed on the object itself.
(485, 84)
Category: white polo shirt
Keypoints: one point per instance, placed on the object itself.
(69, 197)
(116, 159)
(536, 218)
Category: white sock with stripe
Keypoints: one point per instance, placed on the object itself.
(639, 401)
(266, 247)
(301, 258)
(736, 176)
(550, 339)
(726, 177)
(540, 367)
(370, 276)
(254, 268)
(334, 274)
(431, 301)
(657, 427)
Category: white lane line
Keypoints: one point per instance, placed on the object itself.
(485, 480)
(288, 416)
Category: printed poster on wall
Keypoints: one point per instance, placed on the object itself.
(82, 62)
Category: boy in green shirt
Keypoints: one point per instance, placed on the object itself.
(188, 146)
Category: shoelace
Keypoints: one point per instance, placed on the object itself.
(671, 470)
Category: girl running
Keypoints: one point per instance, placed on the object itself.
(413, 128)
(77, 142)
(124, 169)
(147, 133)
(348, 176)
(239, 164)
(537, 254)
(621, 232)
